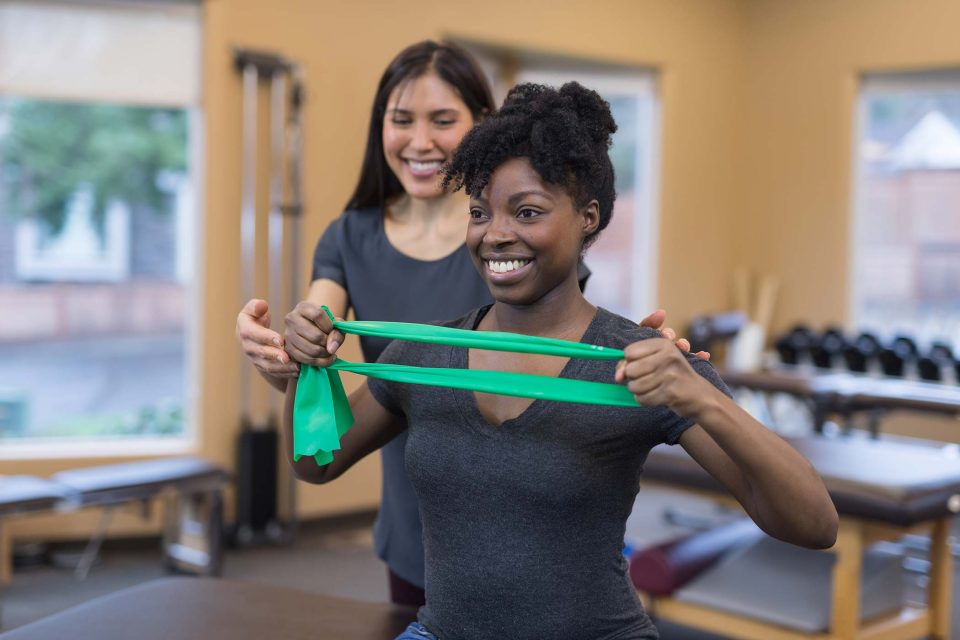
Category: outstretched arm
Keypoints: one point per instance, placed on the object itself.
(776, 485)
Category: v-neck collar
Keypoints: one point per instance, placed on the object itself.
(467, 401)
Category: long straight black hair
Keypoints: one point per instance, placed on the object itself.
(453, 65)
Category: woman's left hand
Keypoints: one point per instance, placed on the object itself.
(657, 373)
(655, 321)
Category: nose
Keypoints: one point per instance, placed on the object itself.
(499, 232)
(422, 139)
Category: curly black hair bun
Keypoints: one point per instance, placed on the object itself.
(592, 110)
(565, 133)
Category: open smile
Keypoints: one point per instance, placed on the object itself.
(423, 168)
(505, 271)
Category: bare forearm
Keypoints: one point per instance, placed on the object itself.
(778, 487)
(280, 384)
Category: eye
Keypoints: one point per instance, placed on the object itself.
(400, 122)
(445, 122)
(477, 215)
(527, 213)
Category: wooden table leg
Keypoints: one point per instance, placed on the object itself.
(845, 612)
(941, 580)
(6, 556)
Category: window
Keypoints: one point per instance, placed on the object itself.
(624, 258)
(906, 239)
(98, 220)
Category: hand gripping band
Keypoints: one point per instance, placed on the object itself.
(321, 411)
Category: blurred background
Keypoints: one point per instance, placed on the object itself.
(815, 144)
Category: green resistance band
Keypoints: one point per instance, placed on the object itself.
(321, 413)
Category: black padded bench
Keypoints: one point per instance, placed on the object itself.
(20, 495)
(192, 486)
(216, 609)
(883, 489)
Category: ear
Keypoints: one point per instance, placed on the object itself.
(591, 217)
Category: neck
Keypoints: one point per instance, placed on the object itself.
(428, 211)
(562, 313)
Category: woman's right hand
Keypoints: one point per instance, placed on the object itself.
(310, 336)
(262, 345)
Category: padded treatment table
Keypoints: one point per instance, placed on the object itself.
(883, 489)
(213, 609)
(194, 517)
(192, 486)
(847, 394)
(23, 495)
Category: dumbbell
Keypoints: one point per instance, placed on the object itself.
(859, 354)
(893, 359)
(931, 366)
(794, 344)
(831, 344)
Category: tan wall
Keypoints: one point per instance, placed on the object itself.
(803, 62)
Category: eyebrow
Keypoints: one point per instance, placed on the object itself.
(531, 192)
(438, 112)
(520, 195)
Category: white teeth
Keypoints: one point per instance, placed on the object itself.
(503, 266)
(423, 166)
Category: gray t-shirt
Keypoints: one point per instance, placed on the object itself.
(524, 523)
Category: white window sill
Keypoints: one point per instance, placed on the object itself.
(64, 448)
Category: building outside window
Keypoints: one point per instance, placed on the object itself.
(98, 225)
(906, 240)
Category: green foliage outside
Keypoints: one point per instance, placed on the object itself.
(51, 149)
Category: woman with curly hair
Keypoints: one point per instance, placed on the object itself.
(524, 503)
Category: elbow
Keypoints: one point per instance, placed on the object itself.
(826, 534)
(306, 469)
(821, 531)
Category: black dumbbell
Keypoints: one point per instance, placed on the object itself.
(831, 344)
(905, 347)
(941, 352)
(891, 362)
(929, 369)
(794, 344)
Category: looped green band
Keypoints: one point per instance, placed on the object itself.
(321, 413)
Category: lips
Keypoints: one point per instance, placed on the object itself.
(423, 168)
(506, 270)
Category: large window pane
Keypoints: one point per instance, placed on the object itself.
(96, 242)
(907, 235)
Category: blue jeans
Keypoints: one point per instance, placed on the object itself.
(416, 631)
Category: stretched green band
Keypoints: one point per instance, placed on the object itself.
(321, 413)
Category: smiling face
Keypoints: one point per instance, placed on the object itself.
(525, 235)
(424, 122)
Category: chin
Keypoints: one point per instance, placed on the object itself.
(422, 189)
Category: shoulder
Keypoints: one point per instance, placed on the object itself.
(358, 221)
(348, 232)
(614, 330)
